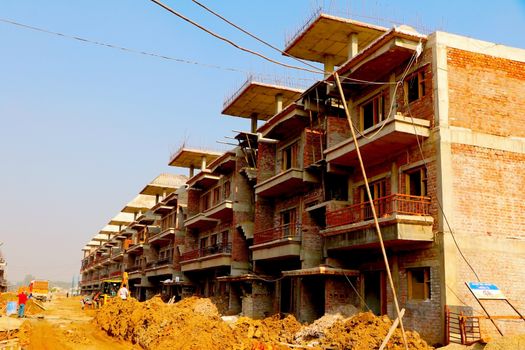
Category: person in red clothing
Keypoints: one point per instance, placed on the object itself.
(22, 299)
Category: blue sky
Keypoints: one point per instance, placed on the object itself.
(84, 127)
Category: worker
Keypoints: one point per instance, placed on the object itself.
(123, 292)
(22, 299)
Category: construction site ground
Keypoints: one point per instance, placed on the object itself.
(195, 323)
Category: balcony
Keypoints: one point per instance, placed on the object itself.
(159, 267)
(278, 242)
(163, 237)
(393, 135)
(208, 257)
(221, 211)
(200, 221)
(284, 182)
(404, 219)
(135, 269)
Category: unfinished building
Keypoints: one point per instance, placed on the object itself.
(282, 223)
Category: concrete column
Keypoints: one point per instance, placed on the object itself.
(353, 47)
(392, 97)
(278, 103)
(394, 179)
(328, 65)
(203, 162)
(192, 171)
(253, 118)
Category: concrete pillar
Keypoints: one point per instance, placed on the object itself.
(192, 171)
(353, 48)
(328, 65)
(278, 103)
(394, 179)
(203, 162)
(253, 118)
(392, 97)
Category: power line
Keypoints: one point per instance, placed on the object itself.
(256, 37)
(167, 8)
(121, 48)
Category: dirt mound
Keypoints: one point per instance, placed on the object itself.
(271, 330)
(366, 331)
(192, 323)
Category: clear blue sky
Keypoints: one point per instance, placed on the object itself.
(84, 127)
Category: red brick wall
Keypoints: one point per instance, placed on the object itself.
(493, 181)
(193, 202)
(486, 93)
(487, 219)
(312, 147)
(337, 130)
(265, 161)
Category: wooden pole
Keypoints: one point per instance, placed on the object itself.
(376, 222)
(391, 330)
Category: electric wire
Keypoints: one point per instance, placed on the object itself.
(121, 48)
(169, 9)
(256, 37)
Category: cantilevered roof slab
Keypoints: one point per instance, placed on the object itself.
(110, 229)
(164, 184)
(327, 35)
(192, 158)
(123, 219)
(141, 202)
(258, 99)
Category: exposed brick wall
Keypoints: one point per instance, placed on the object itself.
(265, 161)
(486, 93)
(493, 180)
(193, 202)
(312, 147)
(422, 108)
(339, 294)
(487, 220)
(423, 316)
(337, 130)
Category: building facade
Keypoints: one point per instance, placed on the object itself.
(283, 224)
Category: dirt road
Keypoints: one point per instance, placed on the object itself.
(64, 325)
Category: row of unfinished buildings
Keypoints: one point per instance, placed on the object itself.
(281, 223)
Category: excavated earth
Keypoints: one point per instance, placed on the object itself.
(195, 324)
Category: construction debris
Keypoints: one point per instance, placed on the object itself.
(195, 323)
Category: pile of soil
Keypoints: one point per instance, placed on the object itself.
(192, 323)
(366, 331)
(195, 324)
(270, 331)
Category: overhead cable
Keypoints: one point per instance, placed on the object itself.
(125, 49)
(169, 9)
(256, 37)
